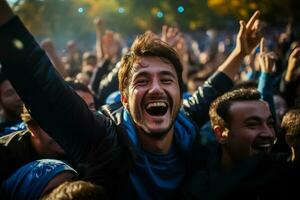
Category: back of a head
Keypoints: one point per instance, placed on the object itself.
(89, 58)
(291, 122)
(78, 86)
(77, 190)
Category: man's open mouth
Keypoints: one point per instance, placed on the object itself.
(157, 108)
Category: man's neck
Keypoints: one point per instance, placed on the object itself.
(157, 145)
(226, 161)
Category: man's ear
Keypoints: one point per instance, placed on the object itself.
(221, 134)
(124, 101)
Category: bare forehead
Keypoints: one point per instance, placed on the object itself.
(145, 63)
(250, 104)
(252, 107)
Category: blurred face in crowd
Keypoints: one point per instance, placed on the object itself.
(153, 97)
(280, 107)
(250, 129)
(91, 60)
(83, 78)
(193, 83)
(10, 100)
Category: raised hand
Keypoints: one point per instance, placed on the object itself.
(171, 35)
(100, 31)
(99, 23)
(249, 35)
(110, 44)
(247, 39)
(294, 60)
(267, 60)
(6, 12)
(174, 37)
(48, 45)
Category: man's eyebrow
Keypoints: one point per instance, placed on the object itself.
(256, 118)
(167, 73)
(145, 73)
(252, 118)
(139, 74)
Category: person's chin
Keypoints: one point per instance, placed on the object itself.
(157, 132)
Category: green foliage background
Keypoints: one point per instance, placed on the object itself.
(61, 18)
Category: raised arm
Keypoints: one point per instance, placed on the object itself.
(247, 39)
(6, 12)
(267, 63)
(48, 46)
(294, 60)
(53, 104)
(100, 30)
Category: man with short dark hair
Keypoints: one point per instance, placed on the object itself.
(243, 125)
(245, 168)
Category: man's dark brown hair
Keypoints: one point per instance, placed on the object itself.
(147, 45)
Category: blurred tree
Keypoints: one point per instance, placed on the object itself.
(73, 18)
(58, 19)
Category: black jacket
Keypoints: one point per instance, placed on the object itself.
(97, 140)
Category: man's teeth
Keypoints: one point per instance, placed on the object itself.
(264, 145)
(156, 104)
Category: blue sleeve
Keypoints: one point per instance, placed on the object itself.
(265, 87)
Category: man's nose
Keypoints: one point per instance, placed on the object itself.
(268, 132)
(155, 87)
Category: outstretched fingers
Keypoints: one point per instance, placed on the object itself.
(262, 47)
(252, 20)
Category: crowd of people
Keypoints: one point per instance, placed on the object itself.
(161, 119)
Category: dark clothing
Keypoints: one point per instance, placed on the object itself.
(101, 71)
(100, 141)
(290, 92)
(105, 80)
(15, 151)
(260, 176)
